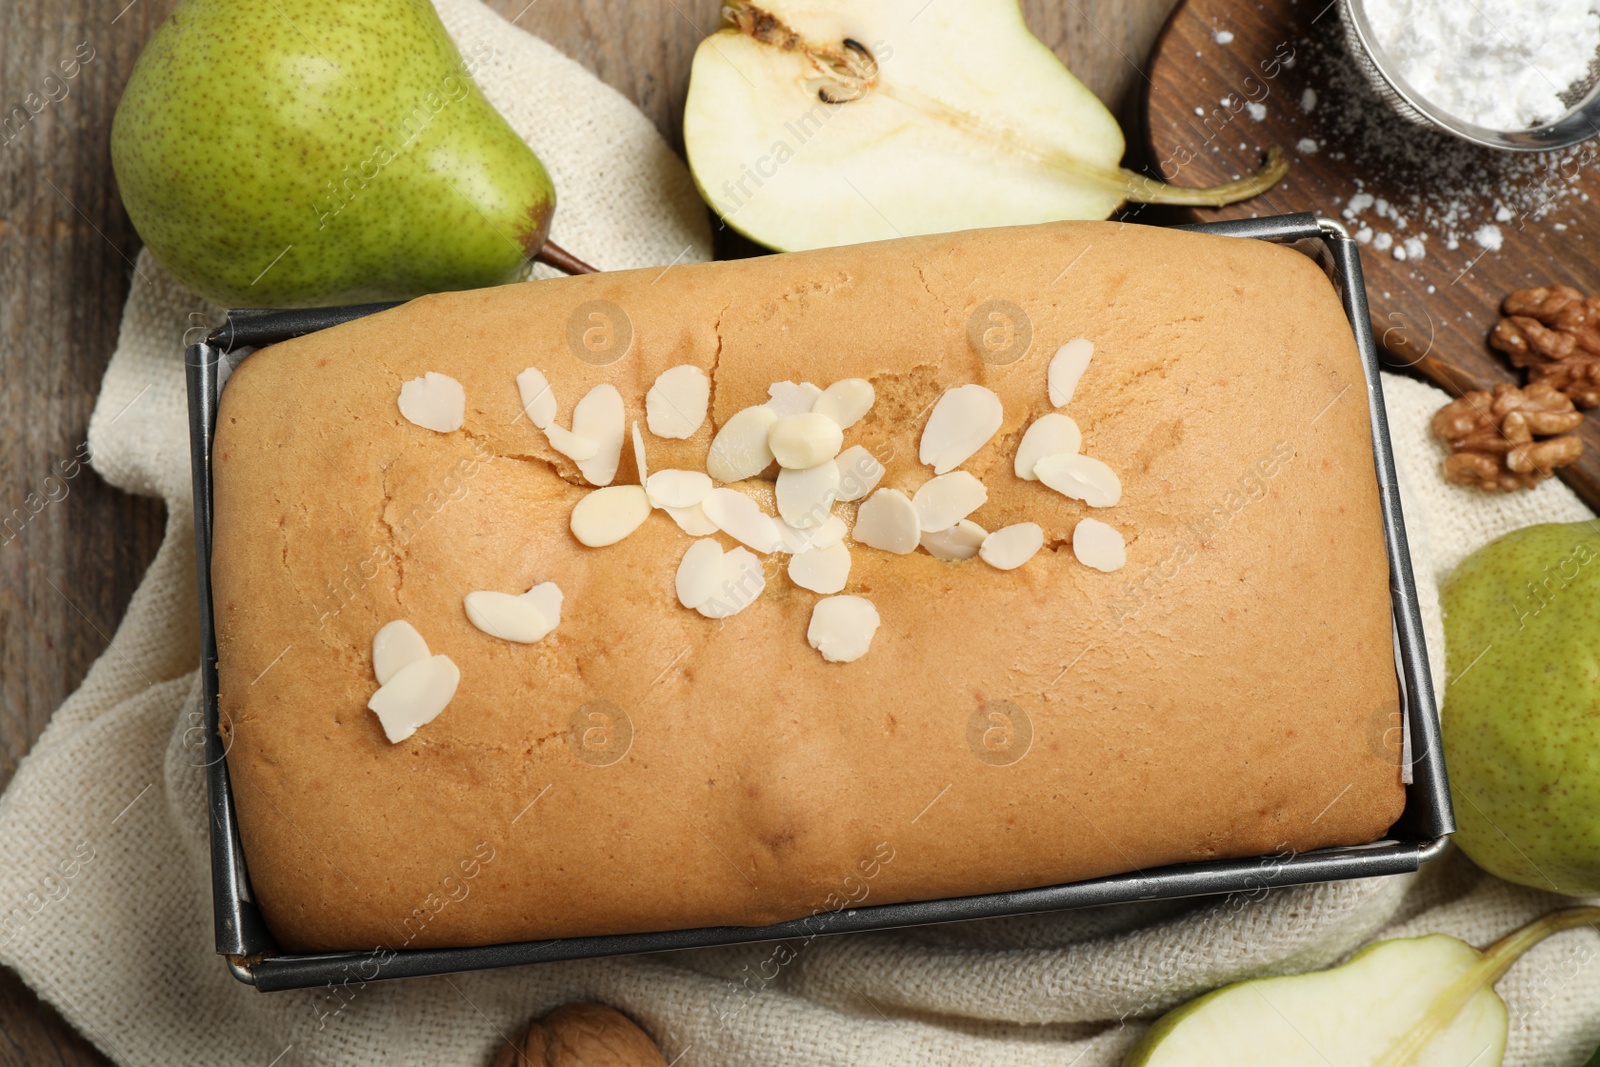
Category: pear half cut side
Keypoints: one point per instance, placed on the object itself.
(1409, 1002)
(812, 123)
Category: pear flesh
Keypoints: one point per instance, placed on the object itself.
(301, 153)
(1413, 1002)
(812, 123)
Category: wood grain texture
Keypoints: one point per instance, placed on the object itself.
(1432, 313)
(66, 252)
(74, 547)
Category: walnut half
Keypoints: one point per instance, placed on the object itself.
(1491, 436)
(581, 1035)
(1554, 332)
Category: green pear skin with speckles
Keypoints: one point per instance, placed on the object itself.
(304, 152)
(1521, 717)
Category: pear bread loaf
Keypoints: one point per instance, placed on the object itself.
(727, 593)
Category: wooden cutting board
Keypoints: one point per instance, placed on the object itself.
(1225, 81)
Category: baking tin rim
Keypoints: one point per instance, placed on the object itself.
(242, 937)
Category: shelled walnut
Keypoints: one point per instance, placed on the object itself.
(1554, 333)
(581, 1035)
(1492, 436)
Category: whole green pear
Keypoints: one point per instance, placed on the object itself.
(1521, 716)
(309, 152)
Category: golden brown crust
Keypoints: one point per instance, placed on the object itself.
(1226, 694)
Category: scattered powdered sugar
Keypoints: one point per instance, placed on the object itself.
(1308, 101)
(1502, 64)
(1257, 111)
(1224, 36)
(1488, 236)
(1306, 146)
(1445, 190)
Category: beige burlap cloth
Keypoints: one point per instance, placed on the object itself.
(105, 904)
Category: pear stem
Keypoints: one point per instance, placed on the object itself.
(1131, 184)
(1149, 191)
(554, 255)
(1506, 951)
(1143, 189)
(1497, 960)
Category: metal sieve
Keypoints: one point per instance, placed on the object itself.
(1581, 121)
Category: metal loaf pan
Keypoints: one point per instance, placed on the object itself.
(243, 939)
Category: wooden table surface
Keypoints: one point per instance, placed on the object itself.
(66, 254)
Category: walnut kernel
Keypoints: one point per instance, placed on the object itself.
(1492, 436)
(582, 1035)
(1555, 333)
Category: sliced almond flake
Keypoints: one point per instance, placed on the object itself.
(742, 519)
(946, 499)
(1099, 546)
(538, 399)
(888, 520)
(676, 404)
(742, 582)
(794, 539)
(599, 417)
(699, 573)
(1082, 478)
(959, 542)
(578, 449)
(1011, 546)
(415, 696)
(821, 570)
(805, 497)
(859, 473)
(435, 402)
(1066, 367)
(395, 646)
(692, 520)
(962, 422)
(791, 398)
(802, 441)
(678, 489)
(842, 628)
(831, 532)
(508, 617)
(638, 454)
(739, 450)
(605, 516)
(547, 597)
(1049, 435)
(846, 401)
(798, 539)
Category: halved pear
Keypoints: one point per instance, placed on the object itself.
(1413, 1002)
(812, 123)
